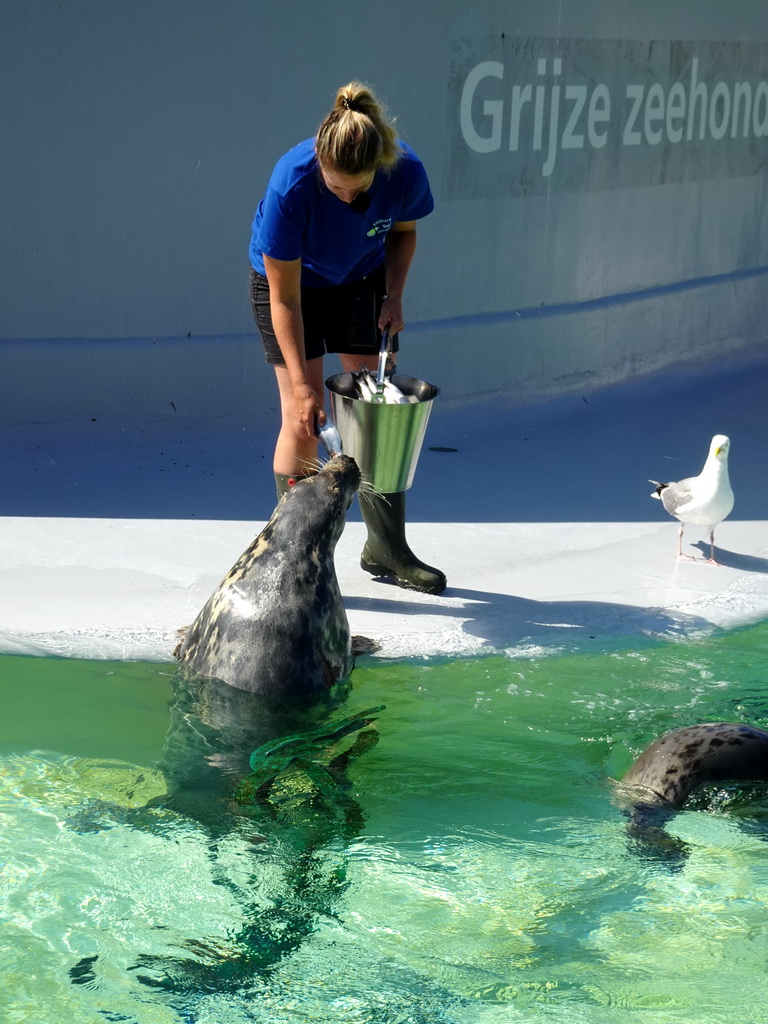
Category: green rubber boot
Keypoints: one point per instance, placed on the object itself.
(285, 481)
(386, 551)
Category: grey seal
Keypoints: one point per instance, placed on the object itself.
(276, 624)
(670, 771)
(678, 763)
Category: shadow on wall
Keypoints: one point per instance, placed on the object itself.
(581, 458)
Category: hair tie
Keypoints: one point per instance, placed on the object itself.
(345, 102)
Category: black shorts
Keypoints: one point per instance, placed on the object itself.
(340, 318)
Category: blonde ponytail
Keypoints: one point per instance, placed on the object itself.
(357, 137)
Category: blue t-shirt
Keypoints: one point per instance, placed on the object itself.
(299, 218)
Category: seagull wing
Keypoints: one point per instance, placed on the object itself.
(676, 496)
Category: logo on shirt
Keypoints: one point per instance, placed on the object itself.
(379, 227)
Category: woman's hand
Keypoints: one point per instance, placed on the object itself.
(391, 316)
(309, 409)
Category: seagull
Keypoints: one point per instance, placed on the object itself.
(705, 499)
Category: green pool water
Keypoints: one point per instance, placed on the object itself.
(486, 874)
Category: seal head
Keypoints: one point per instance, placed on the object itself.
(276, 624)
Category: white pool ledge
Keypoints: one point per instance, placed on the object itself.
(122, 588)
(541, 520)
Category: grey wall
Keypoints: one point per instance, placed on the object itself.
(580, 236)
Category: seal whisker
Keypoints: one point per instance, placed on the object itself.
(313, 465)
(366, 487)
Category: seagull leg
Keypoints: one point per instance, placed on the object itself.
(685, 558)
(712, 560)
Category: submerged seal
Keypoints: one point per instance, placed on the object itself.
(276, 624)
(681, 761)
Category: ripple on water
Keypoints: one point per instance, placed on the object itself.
(491, 879)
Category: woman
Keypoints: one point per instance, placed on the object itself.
(332, 244)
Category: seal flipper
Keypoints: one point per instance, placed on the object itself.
(83, 973)
(314, 877)
(302, 751)
(364, 645)
(648, 839)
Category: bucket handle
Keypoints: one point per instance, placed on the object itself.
(381, 373)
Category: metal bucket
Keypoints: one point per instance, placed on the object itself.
(384, 440)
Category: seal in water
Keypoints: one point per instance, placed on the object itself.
(297, 804)
(276, 624)
(674, 767)
(681, 761)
